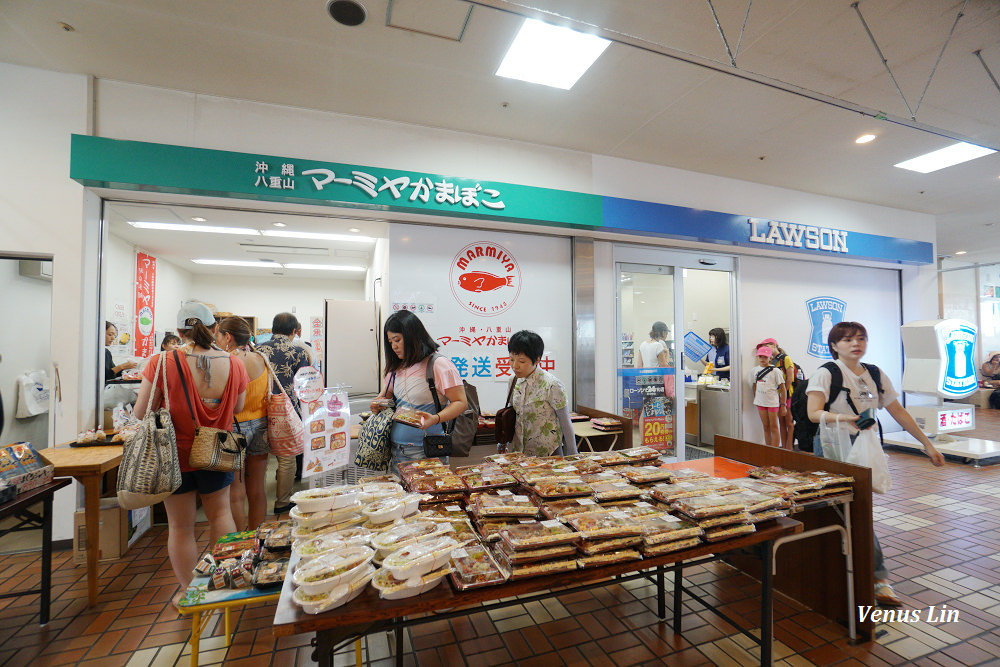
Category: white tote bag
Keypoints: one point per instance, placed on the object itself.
(867, 452)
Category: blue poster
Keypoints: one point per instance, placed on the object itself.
(959, 378)
(695, 347)
(824, 312)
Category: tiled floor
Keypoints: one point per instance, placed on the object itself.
(940, 529)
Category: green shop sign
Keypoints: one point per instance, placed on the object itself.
(135, 165)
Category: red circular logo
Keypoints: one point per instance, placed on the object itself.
(485, 278)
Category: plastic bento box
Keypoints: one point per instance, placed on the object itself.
(324, 573)
(337, 596)
(473, 566)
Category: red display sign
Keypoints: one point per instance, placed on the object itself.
(145, 304)
(955, 418)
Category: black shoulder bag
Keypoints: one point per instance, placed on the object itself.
(436, 445)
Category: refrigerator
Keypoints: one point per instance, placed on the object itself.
(352, 345)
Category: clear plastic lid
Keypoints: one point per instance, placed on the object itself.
(419, 552)
(605, 524)
(402, 534)
(332, 565)
(557, 488)
(308, 549)
(536, 534)
(325, 492)
(473, 566)
(706, 506)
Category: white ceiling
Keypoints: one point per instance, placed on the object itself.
(643, 99)
(180, 247)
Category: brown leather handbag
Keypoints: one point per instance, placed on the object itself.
(506, 418)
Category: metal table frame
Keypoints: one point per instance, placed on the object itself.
(326, 642)
(18, 507)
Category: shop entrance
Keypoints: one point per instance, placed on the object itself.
(667, 305)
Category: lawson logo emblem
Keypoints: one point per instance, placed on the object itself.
(485, 278)
(824, 312)
(959, 377)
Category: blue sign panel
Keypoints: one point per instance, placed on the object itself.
(959, 377)
(695, 347)
(824, 312)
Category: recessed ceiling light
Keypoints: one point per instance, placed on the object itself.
(198, 219)
(325, 267)
(178, 227)
(317, 235)
(279, 224)
(960, 252)
(550, 55)
(230, 262)
(945, 157)
(864, 139)
(354, 230)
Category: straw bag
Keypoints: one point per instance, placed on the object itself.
(150, 470)
(285, 433)
(212, 448)
(374, 446)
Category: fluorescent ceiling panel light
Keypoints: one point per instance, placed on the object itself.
(198, 219)
(317, 235)
(287, 250)
(550, 55)
(946, 157)
(960, 252)
(325, 267)
(864, 139)
(230, 262)
(178, 227)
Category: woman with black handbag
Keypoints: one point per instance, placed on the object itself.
(418, 423)
(542, 426)
(218, 385)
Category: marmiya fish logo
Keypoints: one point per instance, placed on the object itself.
(485, 278)
(824, 312)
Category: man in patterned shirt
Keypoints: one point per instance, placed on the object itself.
(286, 358)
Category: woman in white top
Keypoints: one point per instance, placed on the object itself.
(848, 342)
(654, 352)
(768, 385)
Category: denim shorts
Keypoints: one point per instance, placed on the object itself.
(204, 481)
(255, 431)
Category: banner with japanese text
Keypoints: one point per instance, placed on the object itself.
(473, 290)
(145, 304)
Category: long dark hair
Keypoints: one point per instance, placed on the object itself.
(417, 343)
(196, 331)
(843, 330)
(238, 328)
(720, 336)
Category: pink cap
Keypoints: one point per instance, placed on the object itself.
(763, 351)
(767, 341)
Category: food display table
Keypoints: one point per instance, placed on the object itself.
(18, 506)
(87, 465)
(369, 613)
(199, 603)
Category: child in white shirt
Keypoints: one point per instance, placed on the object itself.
(768, 391)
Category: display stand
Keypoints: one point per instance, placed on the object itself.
(819, 572)
(199, 603)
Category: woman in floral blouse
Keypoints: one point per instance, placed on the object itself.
(543, 426)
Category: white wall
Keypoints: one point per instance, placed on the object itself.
(265, 297)
(422, 259)
(706, 304)
(42, 212)
(24, 346)
(773, 306)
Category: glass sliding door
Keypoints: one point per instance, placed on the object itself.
(669, 303)
(646, 366)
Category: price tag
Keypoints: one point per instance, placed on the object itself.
(642, 503)
(526, 521)
(440, 482)
(453, 508)
(622, 485)
(620, 515)
(504, 492)
(475, 470)
(568, 468)
(500, 459)
(520, 499)
(552, 523)
(586, 501)
(460, 553)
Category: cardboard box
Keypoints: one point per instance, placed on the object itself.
(119, 530)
